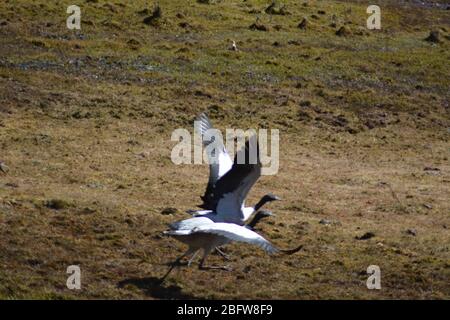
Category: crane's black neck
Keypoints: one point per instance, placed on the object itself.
(254, 221)
(261, 202)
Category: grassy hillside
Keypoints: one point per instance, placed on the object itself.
(86, 118)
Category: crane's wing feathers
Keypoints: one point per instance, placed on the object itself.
(237, 233)
(231, 231)
(231, 190)
(217, 168)
(191, 223)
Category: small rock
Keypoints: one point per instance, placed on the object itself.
(365, 236)
(169, 210)
(57, 204)
(149, 20)
(303, 115)
(133, 42)
(133, 142)
(325, 222)
(3, 167)
(305, 103)
(88, 210)
(184, 25)
(201, 93)
(303, 24)
(278, 27)
(144, 154)
(154, 18)
(434, 37)
(431, 169)
(34, 262)
(11, 185)
(411, 232)
(343, 31)
(294, 42)
(274, 9)
(258, 26)
(94, 185)
(428, 206)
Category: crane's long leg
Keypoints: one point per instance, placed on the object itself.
(223, 254)
(192, 258)
(178, 260)
(202, 266)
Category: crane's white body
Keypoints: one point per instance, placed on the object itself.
(203, 233)
(230, 207)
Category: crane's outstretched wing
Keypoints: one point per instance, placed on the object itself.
(219, 164)
(191, 223)
(231, 190)
(236, 233)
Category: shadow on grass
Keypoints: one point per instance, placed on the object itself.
(153, 287)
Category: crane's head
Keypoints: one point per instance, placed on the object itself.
(263, 214)
(271, 197)
(267, 198)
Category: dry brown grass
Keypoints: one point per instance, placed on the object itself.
(359, 124)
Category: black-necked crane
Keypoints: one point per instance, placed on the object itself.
(208, 231)
(223, 173)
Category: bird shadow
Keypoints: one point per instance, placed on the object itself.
(154, 287)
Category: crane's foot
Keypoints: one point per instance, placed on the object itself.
(192, 259)
(225, 268)
(178, 262)
(223, 254)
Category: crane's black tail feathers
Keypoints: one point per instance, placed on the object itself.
(291, 251)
